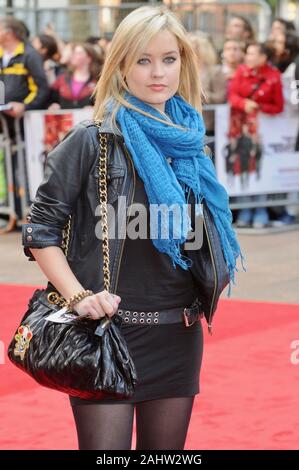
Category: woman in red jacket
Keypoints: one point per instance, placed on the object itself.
(256, 87)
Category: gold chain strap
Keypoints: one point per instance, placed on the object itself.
(66, 236)
(53, 297)
(103, 204)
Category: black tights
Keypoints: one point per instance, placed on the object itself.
(160, 424)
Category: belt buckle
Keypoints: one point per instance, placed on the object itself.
(186, 318)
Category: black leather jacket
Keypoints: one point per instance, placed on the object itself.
(70, 186)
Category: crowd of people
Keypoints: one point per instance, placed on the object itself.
(44, 72)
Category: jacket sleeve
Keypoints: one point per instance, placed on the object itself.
(276, 106)
(216, 93)
(37, 82)
(66, 172)
(234, 97)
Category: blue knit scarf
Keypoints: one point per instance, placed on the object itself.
(150, 144)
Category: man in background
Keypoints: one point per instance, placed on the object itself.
(25, 87)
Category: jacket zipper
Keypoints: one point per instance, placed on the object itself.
(215, 277)
(123, 241)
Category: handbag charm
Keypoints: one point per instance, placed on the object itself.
(23, 338)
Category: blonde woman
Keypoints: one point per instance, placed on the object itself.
(148, 101)
(211, 75)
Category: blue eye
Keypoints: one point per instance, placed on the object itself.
(173, 59)
(140, 61)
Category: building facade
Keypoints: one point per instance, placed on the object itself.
(77, 19)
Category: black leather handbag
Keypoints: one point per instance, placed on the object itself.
(82, 357)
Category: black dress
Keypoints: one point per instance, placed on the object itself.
(167, 357)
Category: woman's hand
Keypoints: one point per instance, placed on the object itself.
(54, 107)
(98, 305)
(250, 106)
(17, 109)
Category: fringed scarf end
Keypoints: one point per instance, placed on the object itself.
(178, 259)
(232, 270)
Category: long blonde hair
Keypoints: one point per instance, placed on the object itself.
(203, 47)
(129, 40)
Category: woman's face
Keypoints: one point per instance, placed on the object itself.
(235, 29)
(232, 52)
(277, 28)
(154, 77)
(279, 43)
(254, 58)
(79, 57)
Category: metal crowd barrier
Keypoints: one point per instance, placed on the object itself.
(13, 171)
(7, 205)
(271, 200)
(19, 149)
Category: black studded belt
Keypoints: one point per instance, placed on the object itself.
(188, 316)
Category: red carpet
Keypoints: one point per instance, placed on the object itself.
(249, 387)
